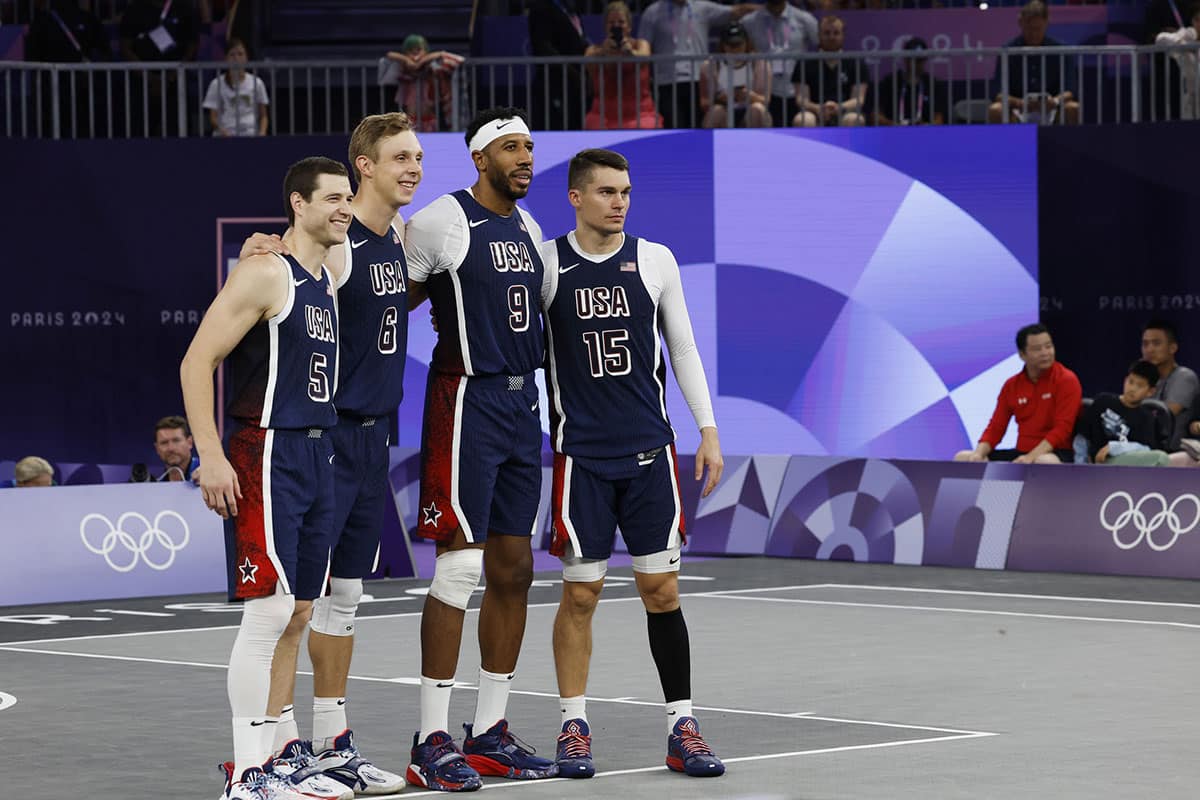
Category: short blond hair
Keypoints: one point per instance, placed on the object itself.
(30, 467)
(373, 130)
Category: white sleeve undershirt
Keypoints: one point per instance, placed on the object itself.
(435, 239)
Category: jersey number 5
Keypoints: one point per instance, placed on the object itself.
(607, 352)
(318, 381)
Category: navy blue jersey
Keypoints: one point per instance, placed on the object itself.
(484, 276)
(283, 372)
(607, 376)
(372, 299)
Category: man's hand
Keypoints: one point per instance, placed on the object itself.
(709, 455)
(1102, 455)
(829, 110)
(1028, 458)
(260, 244)
(977, 455)
(219, 486)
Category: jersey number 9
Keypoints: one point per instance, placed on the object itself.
(518, 307)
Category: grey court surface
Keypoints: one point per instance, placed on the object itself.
(812, 680)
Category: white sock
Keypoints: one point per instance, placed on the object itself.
(266, 733)
(329, 720)
(247, 745)
(249, 677)
(285, 730)
(680, 708)
(573, 708)
(435, 705)
(492, 703)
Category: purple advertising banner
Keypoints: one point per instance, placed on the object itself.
(1108, 520)
(105, 542)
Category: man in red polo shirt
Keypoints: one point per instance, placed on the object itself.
(1044, 397)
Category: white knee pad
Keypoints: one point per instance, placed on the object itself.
(333, 614)
(455, 575)
(662, 561)
(584, 570)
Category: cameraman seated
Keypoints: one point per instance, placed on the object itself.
(173, 443)
(1121, 431)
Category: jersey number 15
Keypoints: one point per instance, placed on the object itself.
(607, 352)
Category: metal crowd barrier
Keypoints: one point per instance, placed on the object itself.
(1110, 84)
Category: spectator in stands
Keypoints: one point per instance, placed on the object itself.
(33, 471)
(681, 28)
(158, 31)
(1121, 431)
(1039, 87)
(831, 90)
(559, 91)
(1185, 87)
(237, 100)
(909, 96)
(1177, 385)
(1044, 397)
(780, 27)
(1164, 16)
(424, 79)
(622, 98)
(748, 81)
(173, 443)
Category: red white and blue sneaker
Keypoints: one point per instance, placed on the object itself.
(688, 752)
(573, 754)
(255, 784)
(437, 764)
(300, 767)
(344, 764)
(498, 752)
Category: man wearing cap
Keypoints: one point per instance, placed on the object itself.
(780, 27)
(910, 95)
(475, 255)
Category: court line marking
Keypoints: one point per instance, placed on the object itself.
(737, 760)
(978, 611)
(1068, 598)
(7, 700)
(406, 681)
(397, 615)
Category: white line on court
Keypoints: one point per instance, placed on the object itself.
(1012, 595)
(979, 611)
(7, 700)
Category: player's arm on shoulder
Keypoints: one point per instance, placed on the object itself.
(256, 289)
(261, 244)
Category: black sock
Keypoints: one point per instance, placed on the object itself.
(672, 653)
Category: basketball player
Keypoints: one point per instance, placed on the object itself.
(475, 255)
(606, 298)
(371, 283)
(276, 320)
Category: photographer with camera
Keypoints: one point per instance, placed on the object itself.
(173, 443)
(622, 96)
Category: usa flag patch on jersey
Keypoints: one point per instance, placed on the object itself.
(628, 266)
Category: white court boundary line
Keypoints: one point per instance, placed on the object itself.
(7, 700)
(1013, 595)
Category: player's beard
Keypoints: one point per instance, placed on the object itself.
(501, 183)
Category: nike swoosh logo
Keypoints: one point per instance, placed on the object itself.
(356, 245)
(341, 702)
(476, 223)
(674, 560)
(671, 713)
(331, 459)
(300, 282)
(510, 677)
(446, 685)
(502, 125)
(258, 724)
(565, 270)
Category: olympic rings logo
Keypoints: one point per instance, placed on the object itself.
(1144, 523)
(143, 547)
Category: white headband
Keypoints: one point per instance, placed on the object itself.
(493, 130)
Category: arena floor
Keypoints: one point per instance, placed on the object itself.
(812, 680)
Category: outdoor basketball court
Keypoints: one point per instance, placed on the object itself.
(811, 680)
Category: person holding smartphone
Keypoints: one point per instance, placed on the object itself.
(622, 96)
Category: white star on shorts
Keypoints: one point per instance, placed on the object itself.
(248, 571)
(432, 514)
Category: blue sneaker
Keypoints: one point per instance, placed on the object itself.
(498, 752)
(574, 753)
(437, 764)
(688, 752)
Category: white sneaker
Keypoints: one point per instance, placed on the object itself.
(297, 764)
(344, 764)
(256, 785)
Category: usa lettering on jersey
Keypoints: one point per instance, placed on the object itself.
(511, 257)
(600, 302)
(319, 323)
(387, 278)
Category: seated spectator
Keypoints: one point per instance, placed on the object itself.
(750, 82)
(33, 471)
(780, 27)
(1177, 385)
(1039, 87)
(173, 443)
(830, 91)
(909, 95)
(1189, 91)
(623, 95)
(237, 100)
(160, 30)
(1121, 431)
(424, 79)
(1044, 397)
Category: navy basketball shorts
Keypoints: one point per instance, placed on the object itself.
(481, 463)
(592, 497)
(360, 485)
(283, 529)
